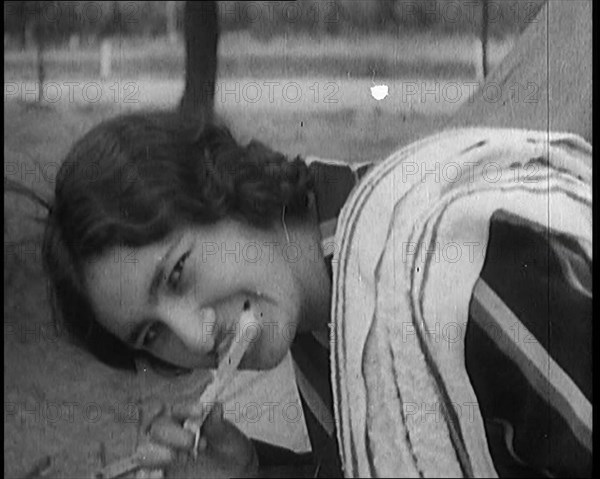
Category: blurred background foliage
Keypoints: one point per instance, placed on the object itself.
(86, 22)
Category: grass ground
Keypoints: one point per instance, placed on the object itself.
(43, 374)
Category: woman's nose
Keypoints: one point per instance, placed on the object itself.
(197, 329)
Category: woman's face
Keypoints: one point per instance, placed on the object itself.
(181, 299)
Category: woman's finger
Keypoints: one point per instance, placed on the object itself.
(167, 432)
(215, 425)
(189, 409)
(225, 438)
(153, 456)
(183, 410)
(149, 410)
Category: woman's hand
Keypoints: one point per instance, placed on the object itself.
(223, 450)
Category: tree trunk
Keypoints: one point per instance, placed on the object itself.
(201, 32)
(484, 37)
(105, 58)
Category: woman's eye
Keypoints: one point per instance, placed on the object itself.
(151, 335)
(175, 275)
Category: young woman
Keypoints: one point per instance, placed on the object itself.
(158, 238)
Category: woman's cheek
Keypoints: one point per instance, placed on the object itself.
(274, 344)
(263, 358)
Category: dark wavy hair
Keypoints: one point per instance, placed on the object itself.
(133, 180)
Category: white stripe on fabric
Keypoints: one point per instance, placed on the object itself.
(534, 361)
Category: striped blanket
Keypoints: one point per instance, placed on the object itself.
(426, 365)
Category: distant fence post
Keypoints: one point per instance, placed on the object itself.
(105, 58)
(171, 14)
(74, 41)
(478, 59)
(41, 74)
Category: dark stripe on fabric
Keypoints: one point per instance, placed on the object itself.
(271, 455)
(332, 185)
(479, 144)
(325, 450)
(542, 438)
(524, 271)
(313, 360)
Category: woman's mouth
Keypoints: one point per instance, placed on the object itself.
(227, 337)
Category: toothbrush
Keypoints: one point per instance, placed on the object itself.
(222, 377)
(200, 411)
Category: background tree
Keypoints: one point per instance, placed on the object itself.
(42, 31)
(201, 33)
